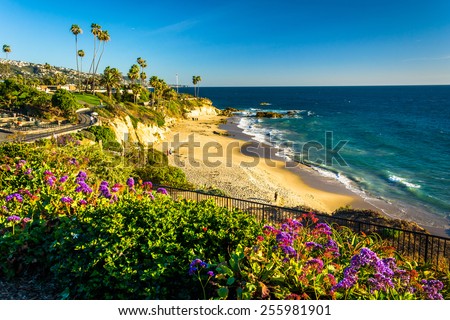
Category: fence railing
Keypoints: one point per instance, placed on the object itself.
(419, 246)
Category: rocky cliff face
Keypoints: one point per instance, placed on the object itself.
(143, 133)
(148, 134)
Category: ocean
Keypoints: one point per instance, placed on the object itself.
(389, 144)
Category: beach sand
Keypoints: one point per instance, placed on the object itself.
(215, 158)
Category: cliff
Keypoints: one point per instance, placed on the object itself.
(150, 133)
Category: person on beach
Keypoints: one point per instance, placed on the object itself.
(275, 197)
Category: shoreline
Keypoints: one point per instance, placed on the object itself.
(243, 168)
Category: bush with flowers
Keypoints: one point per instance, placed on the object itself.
(75, 215)
(101, 239)
(306, 259)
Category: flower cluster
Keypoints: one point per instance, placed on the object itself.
(285, 237)
(17, 196)
(50, 178)
(195, 265)
(130, 184)
(431, 289)
(162, 191)
(385, 271)
(13, 218)
(67, 200)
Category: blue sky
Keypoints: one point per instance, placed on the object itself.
(244, 43)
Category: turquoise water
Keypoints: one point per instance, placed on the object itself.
(397, 137)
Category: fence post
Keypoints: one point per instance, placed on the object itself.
(426, 249)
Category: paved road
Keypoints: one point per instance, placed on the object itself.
(83, 122)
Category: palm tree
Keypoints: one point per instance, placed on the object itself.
(143, 77)
(80, 53)
(103, 37)
(195, 80)
(143, 64)
(95, 30)
(111, 79)
(76, 30)
(6, 50)
(133, 75)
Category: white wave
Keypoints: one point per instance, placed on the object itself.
(397, 179)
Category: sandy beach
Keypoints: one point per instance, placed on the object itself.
(215, 158)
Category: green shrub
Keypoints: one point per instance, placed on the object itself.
(103, 133)
(66, 102)
(163, 175)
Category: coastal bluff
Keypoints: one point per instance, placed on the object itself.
(127, 131)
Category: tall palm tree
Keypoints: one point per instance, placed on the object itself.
(80, 53)
(95, 30)
(195, 81)
(103, 37)
(143, 64)
(6, 50)
(111, 79)
(76, 30)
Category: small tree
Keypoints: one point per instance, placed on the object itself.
(65, 101)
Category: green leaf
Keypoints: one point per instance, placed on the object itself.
(226, 270)
(230, 281)
(223, 292)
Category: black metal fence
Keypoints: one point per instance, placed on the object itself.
(416, 245)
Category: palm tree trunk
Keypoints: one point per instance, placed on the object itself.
(76, 57)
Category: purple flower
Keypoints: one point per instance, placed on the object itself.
(332, 246)
(82, 202)
(284, 238)
(323, 228)
(81, 176)
(318, 263)
(382, 278)
(268, 229)
(295, 224)
(28, 171)
(73, 161)
(289, 251)
(68, 200)
(83, 187)
(5, 208)
(63, 179)
(13, 218)
(313, 245)
(210, 274)
(48, 173)
(195, 264)
(104, 190)
(16, 196)
(162, 191)
(51, 180)
(431, 288)
(130, 183)
(148, 184)
(26, 219)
